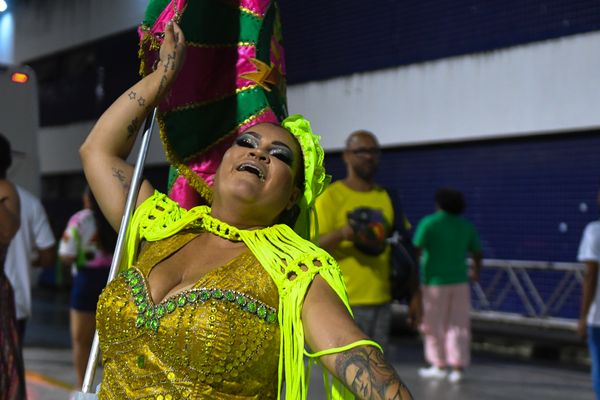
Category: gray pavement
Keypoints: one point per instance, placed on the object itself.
(50, 374)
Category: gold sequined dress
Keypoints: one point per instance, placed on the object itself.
(217, 340)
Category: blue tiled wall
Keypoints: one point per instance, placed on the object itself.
(525, 196)
(324, 39)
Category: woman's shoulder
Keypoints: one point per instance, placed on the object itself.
(159, 216)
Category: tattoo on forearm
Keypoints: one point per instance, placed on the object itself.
(367, 374)
(134, 96)
(163, 84)
(120, 175)
(133, 127)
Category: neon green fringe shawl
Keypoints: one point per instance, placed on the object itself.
(284, 255)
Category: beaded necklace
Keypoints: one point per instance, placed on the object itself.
(218, 227)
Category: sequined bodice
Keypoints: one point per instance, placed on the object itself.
(217, 340)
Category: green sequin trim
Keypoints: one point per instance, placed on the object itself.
(149, 315)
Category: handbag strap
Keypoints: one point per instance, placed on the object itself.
(399, 217)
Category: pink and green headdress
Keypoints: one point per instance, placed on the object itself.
(232, 79)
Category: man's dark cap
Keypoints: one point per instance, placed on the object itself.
(5, 153)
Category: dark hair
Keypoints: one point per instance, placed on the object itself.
(5, 156)
(107, 237)
(450, 200)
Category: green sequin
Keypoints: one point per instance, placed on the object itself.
(154, 324)
(139, 321)
(141, 361)
(149, 315)
(261, 312)
(251, 306)
(241, 300)
(160, 310)
(204, 295)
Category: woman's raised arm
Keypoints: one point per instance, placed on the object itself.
(104, 152)
(327, 324)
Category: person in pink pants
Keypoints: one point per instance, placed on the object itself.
(444, 239)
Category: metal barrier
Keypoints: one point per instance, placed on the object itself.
(538, 291)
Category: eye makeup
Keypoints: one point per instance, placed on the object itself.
(277, 149)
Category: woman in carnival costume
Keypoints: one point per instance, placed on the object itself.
(219, 302)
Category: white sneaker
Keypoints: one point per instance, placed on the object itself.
(455, 376)
(432, 372)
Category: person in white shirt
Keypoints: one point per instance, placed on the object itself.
(589, 320)
(33, 245)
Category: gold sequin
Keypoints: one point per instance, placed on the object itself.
(197, 346)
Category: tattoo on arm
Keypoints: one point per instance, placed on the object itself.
(120, 175)
(133, 127)
(366, 373)
(163, 84)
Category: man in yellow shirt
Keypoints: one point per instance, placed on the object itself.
(355, 217)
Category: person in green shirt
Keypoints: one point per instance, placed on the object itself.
(444, 239)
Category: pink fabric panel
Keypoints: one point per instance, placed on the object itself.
(166, 16)
(244, 65)
(203, 77)
(446, 326)
(184, 194)
(258, 6)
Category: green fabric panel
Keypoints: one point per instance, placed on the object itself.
(193, 130)
(250, 27)
(212, 22)
(154, 9)
(263, 46)
(173, 174)
(278, 103)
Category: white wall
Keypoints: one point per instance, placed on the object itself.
(61, 144)
(538, 88)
